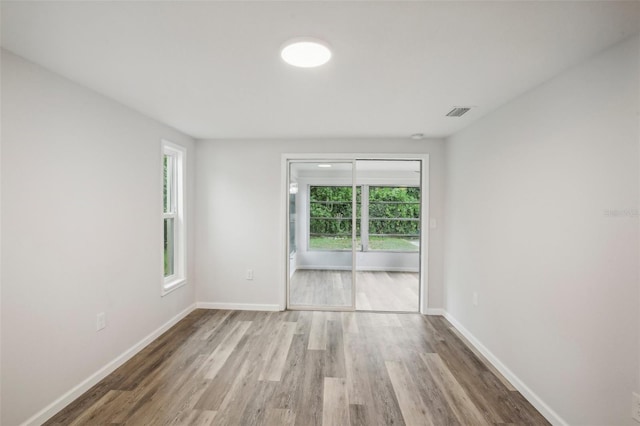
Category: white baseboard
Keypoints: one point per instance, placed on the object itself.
(238, 306)
(57, 405)
(435, 311)
(529, 395)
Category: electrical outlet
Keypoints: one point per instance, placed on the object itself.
(101, 321)
(249, 275)
(635, 413)
(475, 298)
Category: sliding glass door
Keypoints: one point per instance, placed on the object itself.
(388, 258)
(323, 229)
(354, 235)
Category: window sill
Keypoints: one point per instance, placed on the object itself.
(172, 285)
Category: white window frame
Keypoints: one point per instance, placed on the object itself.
(177, 202)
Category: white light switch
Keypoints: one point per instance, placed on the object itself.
(433, 223)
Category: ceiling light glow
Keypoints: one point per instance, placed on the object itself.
(324, 166)
(306, 52)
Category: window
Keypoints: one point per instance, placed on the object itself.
(292, 223)
(330, 221)
(394, 218)
(173, 159)
(388, 218)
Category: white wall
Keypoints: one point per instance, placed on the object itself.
(239, 214)
(528, 188)
(81, 220)
(0, 243)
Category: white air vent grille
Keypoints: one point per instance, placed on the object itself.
(458, 111)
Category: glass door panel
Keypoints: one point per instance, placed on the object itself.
(323, 222)
(389, 256)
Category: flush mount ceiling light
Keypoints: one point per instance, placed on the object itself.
(324, 166)
(306, 52)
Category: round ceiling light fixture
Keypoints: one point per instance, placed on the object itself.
(306, 52)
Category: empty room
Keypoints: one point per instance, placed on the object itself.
(320, 213)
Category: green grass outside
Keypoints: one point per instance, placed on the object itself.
(375, 243)
(392, 244)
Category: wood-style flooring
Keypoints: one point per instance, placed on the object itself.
(302, 368)
(387, 291)
(375, 291)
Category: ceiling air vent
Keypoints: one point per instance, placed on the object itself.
(458, 112)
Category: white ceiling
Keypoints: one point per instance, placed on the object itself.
(212, 69)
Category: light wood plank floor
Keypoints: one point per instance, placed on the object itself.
(302, 368)
(375, 291)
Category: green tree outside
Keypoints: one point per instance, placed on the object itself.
(394, 214)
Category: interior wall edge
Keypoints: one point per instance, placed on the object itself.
(55, 130)
(520, 184)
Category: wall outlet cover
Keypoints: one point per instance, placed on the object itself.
(101, 321)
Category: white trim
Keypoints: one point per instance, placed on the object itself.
(179, 214)
(170, 285)
(553, 417)
(284, 268)
(238, 306)
(57, 405)
(425, 186)
(341, 181)
(435, 311)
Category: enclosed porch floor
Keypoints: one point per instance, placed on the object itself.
(375, 291)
